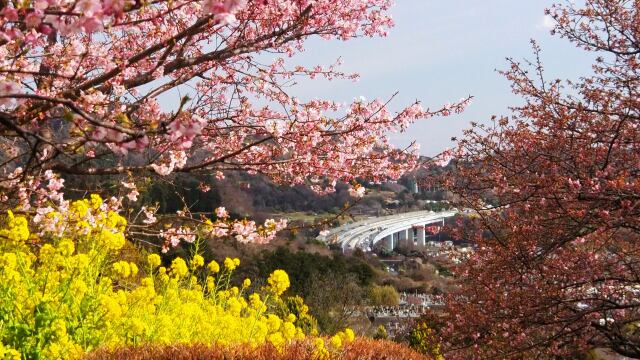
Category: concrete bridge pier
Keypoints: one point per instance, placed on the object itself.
(421, 237)
(388, 242)
(402, 238)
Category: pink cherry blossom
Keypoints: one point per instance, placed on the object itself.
(221, 212)
(150, 216)
(357, 191)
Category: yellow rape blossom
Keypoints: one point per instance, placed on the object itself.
(66, 247)
(96, 201)
(279, 281)
(16, 229)
(349, 335)
(8, 353)
(66, 286)
(80, 208)
(111, 240)
(122, 268)
(231, 264)
(213, 267)
(179, 268)
(210, 283)
(336, 341)
(197, 261)
(320, 351)
(134, 269)
(154, 260)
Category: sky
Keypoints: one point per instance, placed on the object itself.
(439, 52)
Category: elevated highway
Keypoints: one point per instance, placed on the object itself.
(394, 230)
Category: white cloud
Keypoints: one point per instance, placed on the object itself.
(546, 23)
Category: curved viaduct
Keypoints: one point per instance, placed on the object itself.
(392, 230)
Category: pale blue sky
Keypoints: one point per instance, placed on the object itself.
(441, 51)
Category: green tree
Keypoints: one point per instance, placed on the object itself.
(383, 296)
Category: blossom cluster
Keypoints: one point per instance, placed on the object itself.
(243, 230)
(44, 197)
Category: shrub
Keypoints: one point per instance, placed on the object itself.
(295, 305)
(301, 350)
(424, 340)
(381, 332)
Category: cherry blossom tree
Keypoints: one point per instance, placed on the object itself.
(555, 193)
(134, 89)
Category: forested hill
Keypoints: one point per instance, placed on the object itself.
(255, 195)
